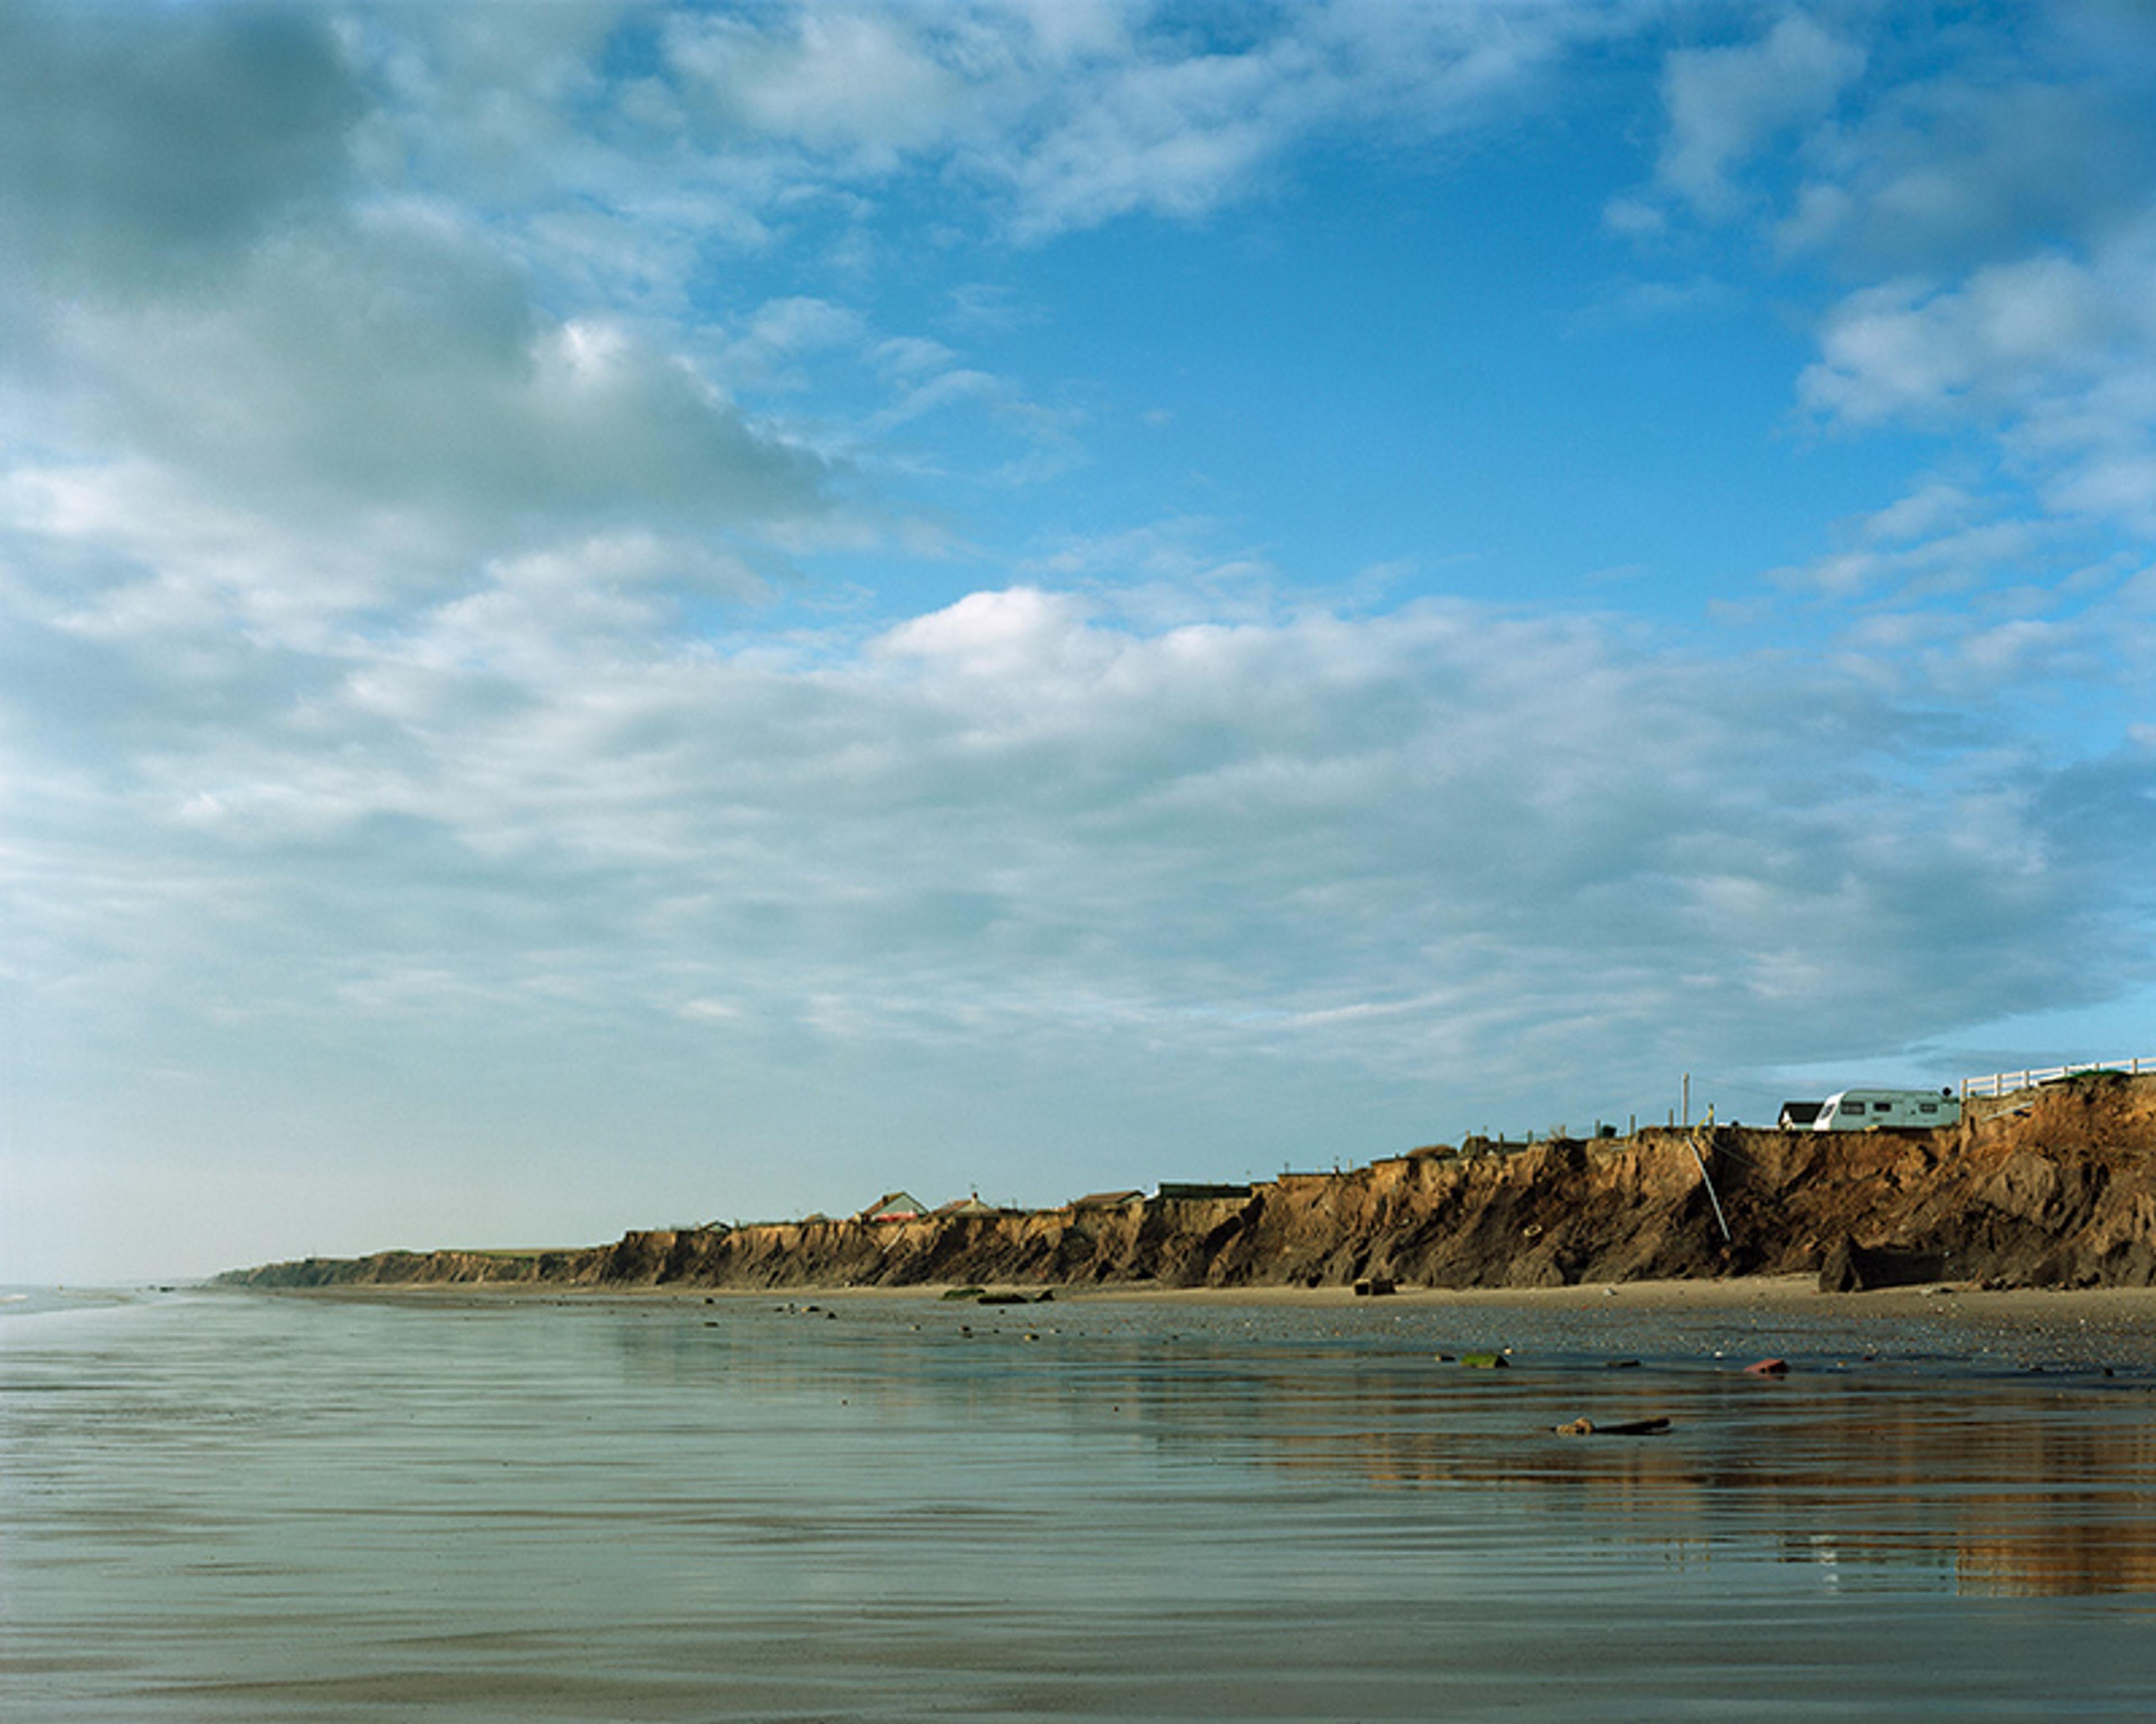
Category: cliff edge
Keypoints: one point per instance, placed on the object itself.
(2053, 1186)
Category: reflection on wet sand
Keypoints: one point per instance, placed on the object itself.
(2008, 1482)
(1992, 1490)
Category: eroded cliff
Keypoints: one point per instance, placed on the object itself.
(2056, 1187)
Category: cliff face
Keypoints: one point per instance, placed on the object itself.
(2055, 1187)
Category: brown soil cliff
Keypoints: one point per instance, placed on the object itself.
(2055, 1187)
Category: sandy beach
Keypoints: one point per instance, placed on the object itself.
(1943, 1301)
(491, 1505)
(1754, 1292)
(1777, 1311)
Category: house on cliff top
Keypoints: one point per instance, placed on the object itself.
(1106, 1199)
(894, 1206)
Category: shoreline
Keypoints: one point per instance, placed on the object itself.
(1946, 1300)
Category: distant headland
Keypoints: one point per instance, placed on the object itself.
(2049, 1186)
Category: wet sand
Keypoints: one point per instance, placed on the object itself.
(738, 1506)
(2127, 1311)
(1777, 1291)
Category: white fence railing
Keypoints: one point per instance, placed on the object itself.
(2005, 1083)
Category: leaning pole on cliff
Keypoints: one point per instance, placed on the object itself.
(1692, 1142)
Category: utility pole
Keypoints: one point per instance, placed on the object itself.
(1687, 1100)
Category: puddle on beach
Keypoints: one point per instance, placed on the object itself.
(226, 1507)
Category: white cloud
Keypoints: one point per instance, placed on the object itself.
(542, 608)
(1726, 103)
(1173, 139)
(1021, 638)
(2112, 482)
(1286, 835)
(946, 389)
(1075, 115)
(2053, 354)
(1929, 543)
(1930, 508)
(830, 79)
(909, 355)
(779, 334)
(1634, 217)
(397, 372)
(1958, 170)
(2009, 333)
(483, 100)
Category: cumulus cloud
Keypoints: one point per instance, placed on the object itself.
(1725, 104)
(2009, 333)
(1959, 171)
(2055, 354)
(255, 381)
(398, 363)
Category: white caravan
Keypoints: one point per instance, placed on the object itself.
(1861, 1109)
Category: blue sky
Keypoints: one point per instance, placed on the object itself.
(617, 615)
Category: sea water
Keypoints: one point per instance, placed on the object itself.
(219, 1505)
